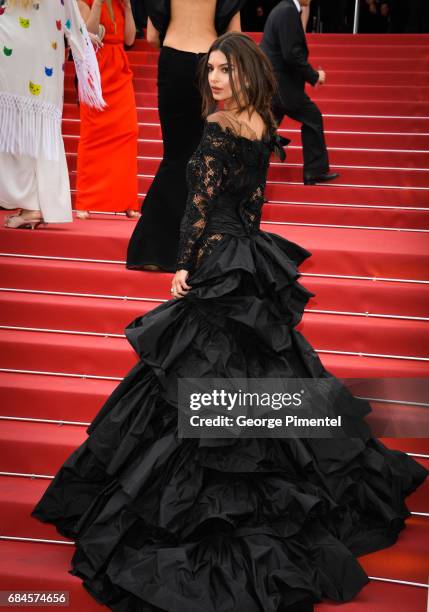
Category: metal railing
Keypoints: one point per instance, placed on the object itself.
(318, 25)
(356, 17)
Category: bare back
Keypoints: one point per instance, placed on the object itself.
(251, 127)
(192, 25)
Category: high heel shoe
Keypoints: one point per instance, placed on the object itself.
(151, 268)
(21, 222)
(82, 214)
(132, 214)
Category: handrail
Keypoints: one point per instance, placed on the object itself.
(356, 18)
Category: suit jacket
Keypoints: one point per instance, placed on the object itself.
(285, 45)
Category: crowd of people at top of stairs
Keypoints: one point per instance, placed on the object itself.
(382, 16)
(37, 39)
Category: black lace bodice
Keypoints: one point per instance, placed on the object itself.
(226, 181)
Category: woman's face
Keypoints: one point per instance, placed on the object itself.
(219, 75)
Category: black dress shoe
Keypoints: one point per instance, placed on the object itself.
(320, 178)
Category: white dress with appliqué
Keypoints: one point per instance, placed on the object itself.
(33, 167)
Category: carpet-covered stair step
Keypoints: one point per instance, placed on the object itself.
(407, 559)
(285, 172)
(17, 568)
(414, 446)
(77, 399)
(379, 596)
(114, 280)
(354, 72)
(281, 190)
(29, 447)
(337, 193)
(15, 519)
(334, 138)
(394, 217)
(113, 357)
(331, 122)
(337, 102)
(319, 45)
(399, 215)
(18, 496)
(37, 448)
(41, 396)
(384, 253)
(145, 66)
(390, 159)
(405, 143)
(282, 172)
(141, 60)
(350, 178)
(348, 332)
(43, 567)
(415, 89)
(66, 353)
(335, 77)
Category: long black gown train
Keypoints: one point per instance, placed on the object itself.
(262, 525)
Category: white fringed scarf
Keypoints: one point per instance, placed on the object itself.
(88, 74)
(30, 124)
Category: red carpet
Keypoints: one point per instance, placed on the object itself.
(66, 297)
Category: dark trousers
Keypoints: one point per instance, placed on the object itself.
(315, 154)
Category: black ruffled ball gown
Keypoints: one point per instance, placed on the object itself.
(191, 525)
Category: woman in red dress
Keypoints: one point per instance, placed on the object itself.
(107, 152)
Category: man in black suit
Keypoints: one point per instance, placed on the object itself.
(285, 44)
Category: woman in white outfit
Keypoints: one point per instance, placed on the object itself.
(33, 168)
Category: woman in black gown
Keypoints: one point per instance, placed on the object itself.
(163, 523)
(154, 242)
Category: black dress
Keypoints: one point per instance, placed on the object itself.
(163, 523)
(156, 235)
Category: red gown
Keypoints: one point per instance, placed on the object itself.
(107, 151)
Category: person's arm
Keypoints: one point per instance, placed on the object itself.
(207, 172)
(305, 16)
(291, 46)
(152, 35)
(235, 24)
(129, 26)
(92, 15)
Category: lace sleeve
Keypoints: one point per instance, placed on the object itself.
(206, 172)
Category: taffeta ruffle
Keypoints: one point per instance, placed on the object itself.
(262, 525)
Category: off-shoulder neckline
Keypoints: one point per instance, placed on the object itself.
(265, 140)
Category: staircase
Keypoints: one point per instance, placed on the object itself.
(66, 297)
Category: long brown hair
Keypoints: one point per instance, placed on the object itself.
(255, 75)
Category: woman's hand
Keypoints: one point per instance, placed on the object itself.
(96, 41)
(179, 287)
